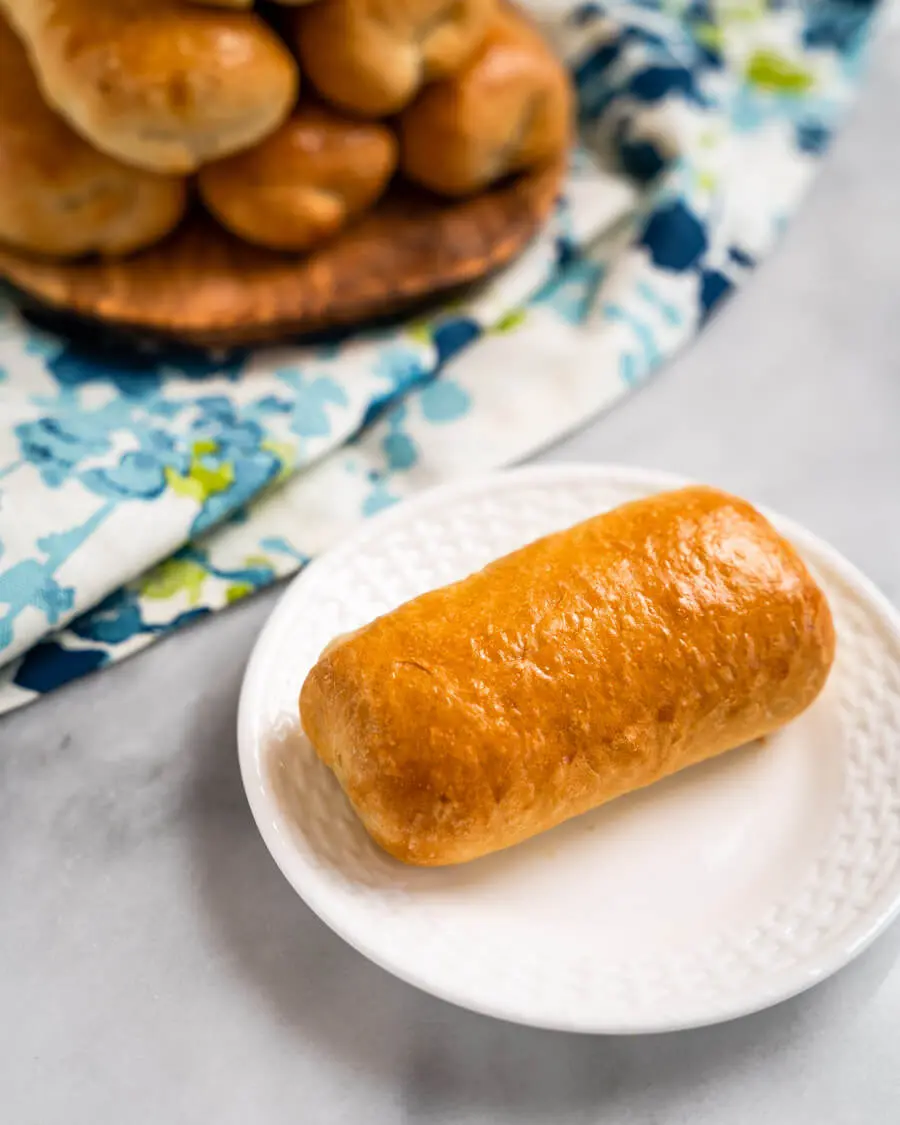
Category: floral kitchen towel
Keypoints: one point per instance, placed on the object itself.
(140, 490)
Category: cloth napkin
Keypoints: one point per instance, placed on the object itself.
(143, 489)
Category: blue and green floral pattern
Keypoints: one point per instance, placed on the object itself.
(140, 490)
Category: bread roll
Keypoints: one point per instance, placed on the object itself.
(582, 667)
(302, 184)
(59, 196)
(160, 84)
(509, 109)
(249, 3)
(372, 56)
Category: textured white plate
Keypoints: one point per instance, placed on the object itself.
(721, 891)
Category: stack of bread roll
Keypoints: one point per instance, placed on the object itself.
(286, 125)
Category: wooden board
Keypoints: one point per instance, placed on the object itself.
(202, 286)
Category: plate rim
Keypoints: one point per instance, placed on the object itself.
(834, 956)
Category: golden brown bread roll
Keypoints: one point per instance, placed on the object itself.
(509, 109)
(249, 3)
(304, 183)
(59, 196)
(584, 666)
(160, 84)
(372, 56)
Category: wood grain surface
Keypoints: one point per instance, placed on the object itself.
(202, 286)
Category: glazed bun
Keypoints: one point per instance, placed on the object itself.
(304, 183)
(160, 84)
(249, 3)
(373, 56)
(509, 109)
(58, 195)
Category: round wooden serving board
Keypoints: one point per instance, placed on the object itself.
(202, 286)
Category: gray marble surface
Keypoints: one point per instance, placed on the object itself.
(155, 969)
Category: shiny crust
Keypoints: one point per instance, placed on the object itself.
(373, 56)
(59, 196)
(584, 666)
(509, 109)
(249, 3)
(303, 184)
(160, 84)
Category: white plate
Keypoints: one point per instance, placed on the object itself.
(723, 890)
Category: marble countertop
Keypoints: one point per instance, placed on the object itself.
(156, 968)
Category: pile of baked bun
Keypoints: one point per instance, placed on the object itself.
(286, 122)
